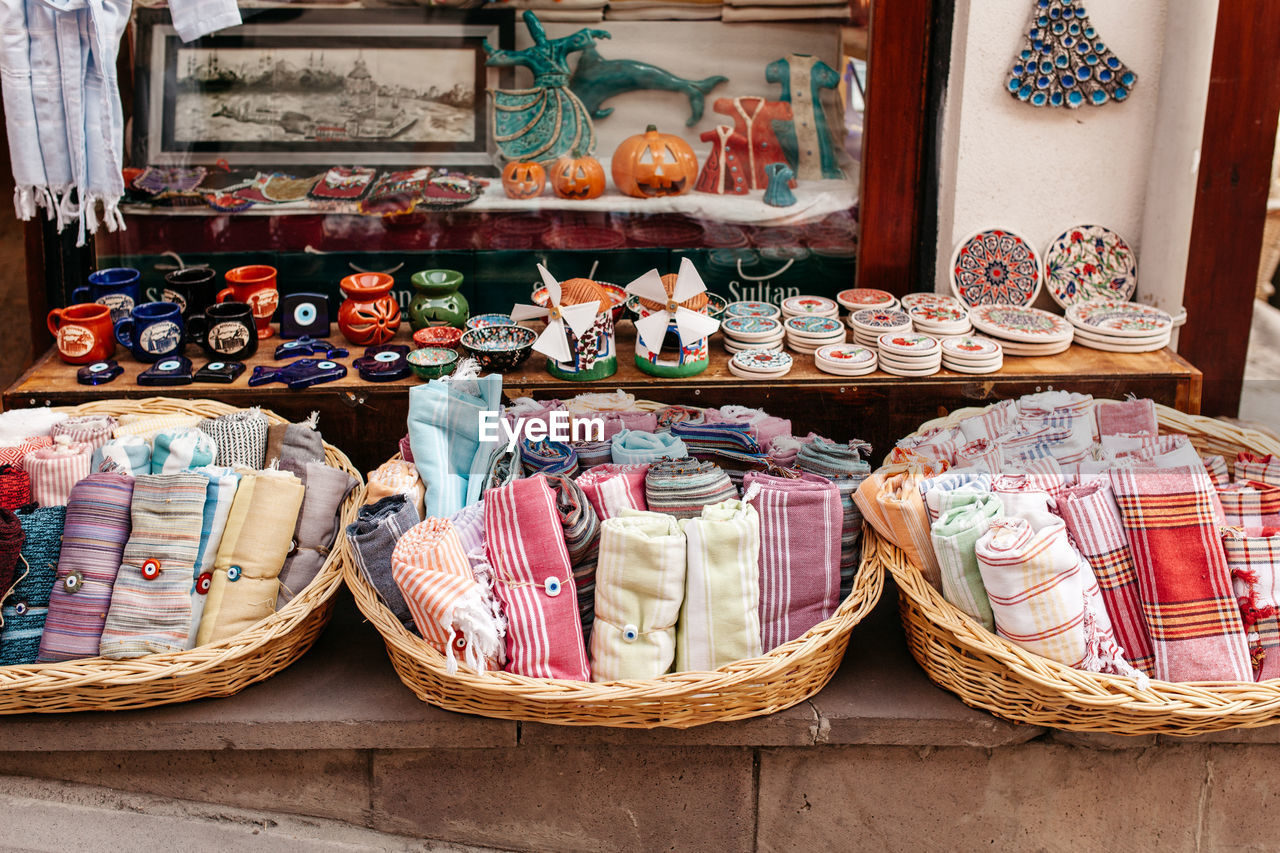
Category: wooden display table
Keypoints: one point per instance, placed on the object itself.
(366, 419)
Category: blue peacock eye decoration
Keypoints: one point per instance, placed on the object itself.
(1063, 63)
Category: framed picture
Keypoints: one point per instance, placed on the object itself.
(403, 87)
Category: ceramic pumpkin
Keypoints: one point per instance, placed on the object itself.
(652, 164)
(577, 177)
(521, 179)
(370, 315)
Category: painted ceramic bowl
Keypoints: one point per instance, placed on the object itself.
(480, 321)
(438, 336)
(432, 362)
(617, 298)
(499, 348)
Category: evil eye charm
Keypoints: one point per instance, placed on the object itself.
(151, 569)
(203, 583)
(630, 634)
(233, 573)
(73, 582)
(552, 586)
(386, 356)
(293, 547)
(21, 608)
(460, 644)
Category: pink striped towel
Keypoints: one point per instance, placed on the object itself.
(1126, 417)
(54, 470)
(992, 422)
(612, 488)
(1255, 576)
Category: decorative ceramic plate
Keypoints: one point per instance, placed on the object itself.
(818, 306)
(858, 298)
(995, 267)
(715, 305)
(940, 313)
(879, 318)
(1086, 334)
(973, 367)
(850, 356)
(814, 326)
(482, 320)
(751, 309)
(1089, 262)
(970, 348)
(909, 345)
(912, 299)
(1118, 318)
(745, 328)
(762, 361)
(1015, 323)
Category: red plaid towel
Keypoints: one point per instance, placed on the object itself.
(1250, 467)
(1251, 505)
(992, 423)
(1255, 564)
(1216, 467)
(1127, 417)
(1190, 610)
(613, 488)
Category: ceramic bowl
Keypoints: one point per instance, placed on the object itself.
(499, 348)
(432, 362)
(438, 336)
(617, 297)
(480, 321)
(715, 305)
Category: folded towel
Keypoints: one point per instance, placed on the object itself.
(444, 432)
(593, 453)
(93, 430)
(318, 524)
(952, 489)
(147, 426)
(890, 500)
(27, 606)
(1254, 561)
(1128, 417)
(55, 469)
(765, 428)
(941, 443)
(1035, 475)
(736, 14)
(373, 536)
(468, 523)
(548, 457)
(983, 454)
(396, 477)
(1253, 468)
(15, 490)
(241, 438)
(668, 416)
(1044, 439)
(639, 448)
(599, 401)
(294, 445)
(581, 528)
(682, 487)
(218, 497)
(720, 617)
(613, 488)
(17, 424)
(992, 422)
(844, 465)
(717, 436)
(1250, 505)
(1215, 466)
(181, 450)
(616, 422)
(955, 537)
(131, 453)
(16, 453)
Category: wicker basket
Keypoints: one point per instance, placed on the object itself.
(988, 672)
(216, 669)
(785, 676)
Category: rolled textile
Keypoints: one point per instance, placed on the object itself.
(294, 445)
(1254, 561)
(94, 534)
(952, 489)
(241, 438)
(548, 457)
(373, 536)
(147, 426)
(313, 534)
(616, 422)
(941, 443)
(1190, 610)
(721, 436)
(955, 536)
(1250, 505)
(468, 523)
(1031, 440)
(1215, 466)
(581, 528)
(16, 453)
(736, 464)
(599, 401)
(1095, 526)
(765, 428)
(927, 466)
(131, 453)
(669, 415)
(720, 616)
(19, 424)
(448, 605)
(15, 489)
(93, 430)
(982, 453)
(218, 496)
(406, 449)
(258, 536)
(890, 500)
(534, 581)
(638, 448)
(10, 550)
(799, 553)
(444, 433)
(151, 600)
(613, 488)
(1126, 417)
(27, 605)
(593, 453)
(1255, 468)
(682, 487)
(785, 449)
(1032, 475)
(181, 450)
(396, 477)
(502, 468)
(54, 470)
(846, 466)
(1057, 406)
(640, 582)
(991, 423)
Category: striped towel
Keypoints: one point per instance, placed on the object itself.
(241, 438)
(582, 539)
(317, 525)
(1128, 417)
(927, 467)
(765, 428)
(218, 497)
(993, 422)
(548, 457)
(890, 500)
(1034, 475)
(799, 553)
(736, 464)
(844, 465)
(54, 470)
(613, 488)
(444, 433)
(468, 523)
(406, 449)
(1254, 468)
(616, 422)
(1251, 505)
(785, 449)
(373, 536)
(534, 581)
(942, 443)
(984, 454)
(593, 453)
(1095, 526)
(181, 450)
(131, 453)
(15, 490)
(1254, 561)
(27, 606)
(955, 536)
(1031, 440)
(682, 487)
(640, 448)
(93, 430)
(1215, 466)
(953, 489)
(1167, 451)
(93, 538)
(154, 614)
(639, 589)
(1059, 406)
(10, 550)
(396, 477)
(713, 436)
(146, 426)
(448, 605)
(1190, 610)
(16, 453)
(720, 617)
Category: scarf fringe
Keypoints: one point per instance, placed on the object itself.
(65, 205)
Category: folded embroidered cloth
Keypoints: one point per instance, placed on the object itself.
(1254, 468)
(1254, 561)
(15, 489)
(593, 453)
(181, 450)
(444, 432)
(131, 453)
(1215, 466)
(983, 454)
(799, 553)
(1127, 417)
(720, 617)
(548, 457)
(448, 604)
(396, 477)
(613, 488)
(296, 444)
(373, 536)
(890, 500)
(241, 438)
(682, 487)
(151, 599)
(18, 424)
(10, 550)
(257, 538)
(93, 538)
(1250, 505)
(16, 453)
(534, 582)
(640, 582)
(582, 539)
(952, 489)
(1190, 610)
(318, 524)
(1095, 526)
(992, 422)
(55, 469)
(27, 606)
(93, 430)
(639, 448)
(941, 443)
(955, 536)
(146, 426)
(218, 497)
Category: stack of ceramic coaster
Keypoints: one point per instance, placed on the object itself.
(809, 306)
(752, 309)
(845, 359)
(1115, 326)
(971, 354)
(941, 317)
(1021, 330)
(870, 323)
(760, 364)
(909, 354)
(861, 298)
(806, 334)
(743, 333)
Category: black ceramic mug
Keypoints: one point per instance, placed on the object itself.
(226, 330)
(193, 288)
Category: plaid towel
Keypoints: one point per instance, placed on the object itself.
(218, 497)
(955, 488)
(396, 477)
(991, 423)
(1187, 600)
(639, 448)
(534, 581)
(146, 426)
(942, 443)
(1251, 505)
(54, 470)
(93, 430)
(593, 453)
(317, 526)
(373, 536)
(640, 583)
(582, 539)
(131, 453)
(682, 487)
(10, 550)
(1253, 468)
(799, 553)
(983, 454)
(1254, 561)
(1215, 466)
(27, 606)
(444, 432)
(955, 535)
(181, 450)
(548, 457)
(1129, 417)
(613, 488)
(93, 539)
(17, 424)
(448, 605)
(15, 491)
(1095, 526)
(720, 617)
(241, 438)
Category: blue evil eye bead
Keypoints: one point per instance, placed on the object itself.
(73, 582)
(1080, 13)
(1074, 29)
(326, 365)
(1046, 67)
(1075, 99)
(1068, 81)
(1061, 60)
(215, 365)
(233, 573)
(1024, 93)
(305, 314)
(1113, 63)
(98, 367)
(552, 586)
(1104, 76)
(386, 356)
(1059, 28)
(1037, 45)
(21, 608)
(1099, 97)
(630, 633)
(1024, 55)
(1018, 69)
(1042, 82)
(204, 582)
(1055, 13)
(1099, 47)
(150, 569)
(1043, 4)
(1068, 41)
(1084, 47)
(1091, 59)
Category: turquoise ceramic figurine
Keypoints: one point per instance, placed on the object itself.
(806, 139)
(596, 80)
(546, 121)
(778, 193)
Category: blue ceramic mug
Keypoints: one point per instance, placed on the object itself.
(152, 331)
(118, 288)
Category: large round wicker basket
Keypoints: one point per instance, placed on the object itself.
(216, 669)
(989, 672)
(752, 687)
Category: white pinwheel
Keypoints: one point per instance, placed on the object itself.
(554, 342)
(692, 325)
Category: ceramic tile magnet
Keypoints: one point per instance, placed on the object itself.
(175, 370)
(98, 373)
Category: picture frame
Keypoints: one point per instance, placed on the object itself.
(318, 86)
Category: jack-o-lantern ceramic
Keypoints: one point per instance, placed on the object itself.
(577, 177)
(652, 164)
(522, 179)
(370, 315)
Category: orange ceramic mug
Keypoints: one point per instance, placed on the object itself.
(84, 333)
(256, 285)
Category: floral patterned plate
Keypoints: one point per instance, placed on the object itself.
(909, 345)
(846, 356)
(762, 361)
(858, 298)
(970, 348)
(995, 267)
(751, 309)
(880, 319)
(814, 326)
(1089, 262)
(913, 299)
(1016, 323)
(817, 306)
(940, 313)
(748, 328)
(1117, 318)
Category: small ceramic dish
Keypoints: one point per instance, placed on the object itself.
(617, 298)
(480, 321)
(438, 336)
(432, 362)
(499, 348)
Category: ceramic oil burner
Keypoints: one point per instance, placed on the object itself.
(437, 301)
(255, 285)
(83, 332)
(369, 315)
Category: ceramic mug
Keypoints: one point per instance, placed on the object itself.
(83, 332)
(255, 285)
(192, 288)
(226, 330)
(152, 331)
(118, 288)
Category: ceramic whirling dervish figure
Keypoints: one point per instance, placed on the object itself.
(546, 121)
(1063, 63)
